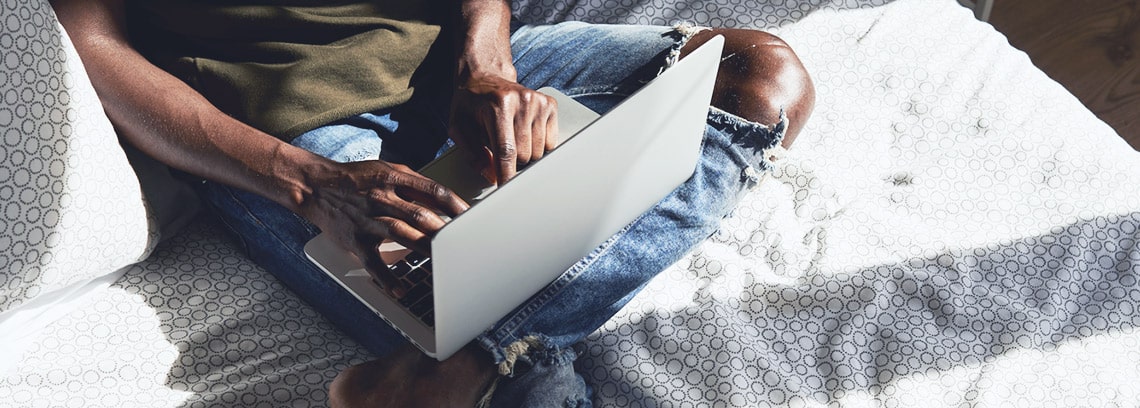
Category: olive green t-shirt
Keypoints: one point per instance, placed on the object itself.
(288, 66)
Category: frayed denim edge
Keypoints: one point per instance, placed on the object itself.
(763, 141)
(532, 349)
(685, 31)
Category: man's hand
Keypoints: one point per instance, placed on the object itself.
(506, 124)
(363, 203)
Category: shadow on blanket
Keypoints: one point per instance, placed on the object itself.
(242, 338)
(919, 318)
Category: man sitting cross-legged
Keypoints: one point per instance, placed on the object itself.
(304, 117)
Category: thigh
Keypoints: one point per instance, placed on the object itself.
(410, 134)
(596, 64)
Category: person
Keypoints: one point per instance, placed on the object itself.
(305, 116)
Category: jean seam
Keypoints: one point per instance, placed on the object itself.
(524, 314)
(283, 243)
(215, 209)
(308, 226)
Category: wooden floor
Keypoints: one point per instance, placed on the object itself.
(1089, 46)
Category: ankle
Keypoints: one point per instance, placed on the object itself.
(471, 363)
(408, 378)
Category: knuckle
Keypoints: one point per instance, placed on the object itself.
(506, 151)
(390, 178)
(388, 225)
(439, 192)
(420, 215)
(380, 195)
(376, 194)
(506, 99)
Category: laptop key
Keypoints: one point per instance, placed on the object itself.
(414, 295)
(414, 258)
(399, 269)
(429, 319)
(423, 306)
(417, 275)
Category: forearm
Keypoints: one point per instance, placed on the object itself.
(172, 122)
(490, 110)
(484, 45)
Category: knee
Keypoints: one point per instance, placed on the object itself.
(760, 75)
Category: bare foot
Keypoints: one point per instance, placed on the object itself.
(408, 378)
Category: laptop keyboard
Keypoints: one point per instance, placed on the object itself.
(415, 272)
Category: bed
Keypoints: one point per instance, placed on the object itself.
(951, 228)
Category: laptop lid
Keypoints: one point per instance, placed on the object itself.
(452, 170)
(493, 257)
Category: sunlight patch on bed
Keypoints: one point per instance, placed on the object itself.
(113, 346)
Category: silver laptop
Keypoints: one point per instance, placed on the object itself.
(607, 172)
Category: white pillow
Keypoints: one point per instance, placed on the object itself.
(70, 205)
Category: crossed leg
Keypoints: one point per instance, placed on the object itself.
(760, 78)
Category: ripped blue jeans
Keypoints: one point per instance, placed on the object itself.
(598, 65)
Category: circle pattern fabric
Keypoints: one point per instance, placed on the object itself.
(757, 14)
(952, 228)
(70, 206)
(195, 325)
(938, 237)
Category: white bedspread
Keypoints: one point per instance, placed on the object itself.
(951, 228)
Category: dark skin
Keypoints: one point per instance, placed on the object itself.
(366, 202)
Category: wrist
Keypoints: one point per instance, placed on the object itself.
(484, 41)
(297, 175)
(499, 69)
